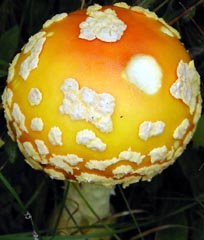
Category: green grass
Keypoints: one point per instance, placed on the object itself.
(170, 207)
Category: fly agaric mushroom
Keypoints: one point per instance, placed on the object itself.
(105, 95)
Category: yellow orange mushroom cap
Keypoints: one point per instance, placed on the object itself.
(106, 95)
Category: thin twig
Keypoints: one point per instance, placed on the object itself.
(160, 5)
(71, 216)
(156, 229)
(197, 26)
(82, 4)
(185, 12)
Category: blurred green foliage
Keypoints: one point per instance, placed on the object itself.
(170, 207)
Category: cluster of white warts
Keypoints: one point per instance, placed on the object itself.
(86, 137)
(86, 104)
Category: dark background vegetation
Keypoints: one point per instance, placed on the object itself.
(170, 207)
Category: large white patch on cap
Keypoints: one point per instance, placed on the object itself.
(187, 86)
(34, 47)
(149, 129)
(103, 25)
(88, 138)
(86, 104)
(144, 72)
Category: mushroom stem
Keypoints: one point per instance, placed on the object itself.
(86, 204)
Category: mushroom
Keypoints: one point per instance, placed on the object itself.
(103, 96)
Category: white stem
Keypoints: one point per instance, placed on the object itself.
(86, 204)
